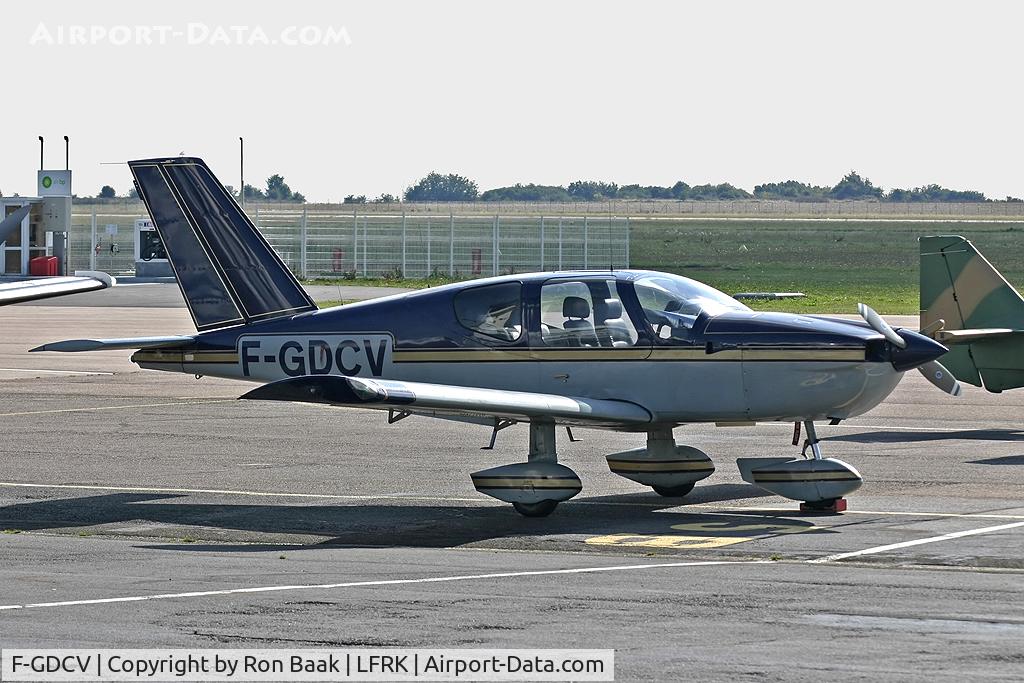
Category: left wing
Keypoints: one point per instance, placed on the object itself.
(44, 288)
(449, 400)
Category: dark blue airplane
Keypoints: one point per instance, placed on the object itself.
(633, 351)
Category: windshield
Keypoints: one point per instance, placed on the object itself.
(674, 302)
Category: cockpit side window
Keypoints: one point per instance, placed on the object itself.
(672, 303)
(492, 310)
(584, 314)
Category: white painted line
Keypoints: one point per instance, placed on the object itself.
(127, 405)
(382, 582)
(232, 492)
(793, 511)
(58, 372)
(920, 541)
(789, 425)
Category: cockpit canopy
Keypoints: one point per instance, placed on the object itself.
(673, 302)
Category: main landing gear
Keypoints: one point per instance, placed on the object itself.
(671, 470)
(537, 486)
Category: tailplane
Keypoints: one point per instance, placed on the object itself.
(968, 305)
(228, 273)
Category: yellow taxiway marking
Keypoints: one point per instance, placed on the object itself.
(702, 535)
(121, 407)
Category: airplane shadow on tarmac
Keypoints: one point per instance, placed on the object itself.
(895, 436)
(377, 524)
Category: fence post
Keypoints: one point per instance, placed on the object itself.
(627, 242)
(428, 246)
(542, 242)
(303, 265)
(560, 243)
(403, 245)
(355, 243)
(366, 255)
(451, 245)
(494, 248)
(586, 245)
(92, 246)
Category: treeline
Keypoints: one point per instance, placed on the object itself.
(452, 187)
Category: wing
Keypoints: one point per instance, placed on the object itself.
(448, 400)
(44, 288)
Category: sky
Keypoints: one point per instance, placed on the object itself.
(906, 93)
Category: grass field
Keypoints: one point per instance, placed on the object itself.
(837, 263)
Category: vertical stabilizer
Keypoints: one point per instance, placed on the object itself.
(228, 274)
(962, 289)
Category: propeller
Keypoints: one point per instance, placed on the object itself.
(879, 325)
(937, 374)
(933, 371)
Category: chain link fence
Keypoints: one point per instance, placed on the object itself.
(325, 241)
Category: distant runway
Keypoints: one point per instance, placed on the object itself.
(149, 509)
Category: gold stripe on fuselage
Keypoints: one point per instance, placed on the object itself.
(198, 357)
(628, 354)
(523, 355)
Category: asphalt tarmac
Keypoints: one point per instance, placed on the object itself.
(148, 509)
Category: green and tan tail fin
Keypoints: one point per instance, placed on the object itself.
(969, 306)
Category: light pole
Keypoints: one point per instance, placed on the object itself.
(241, 170)
(67, 154)
(40, 152)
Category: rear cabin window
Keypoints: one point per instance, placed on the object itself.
(492, 310)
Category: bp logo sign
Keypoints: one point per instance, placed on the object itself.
(53, 183)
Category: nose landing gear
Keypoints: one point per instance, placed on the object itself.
(819, 483)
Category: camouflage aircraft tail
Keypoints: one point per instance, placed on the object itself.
(969, 306)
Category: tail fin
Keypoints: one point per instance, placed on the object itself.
(961, 288)
(227, 272)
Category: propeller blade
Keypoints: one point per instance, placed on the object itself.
(879, 325)
(938, 375)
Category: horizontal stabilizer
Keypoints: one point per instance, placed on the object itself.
(964, 336)
(416, 396)
(113, 344)
(47, 287)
